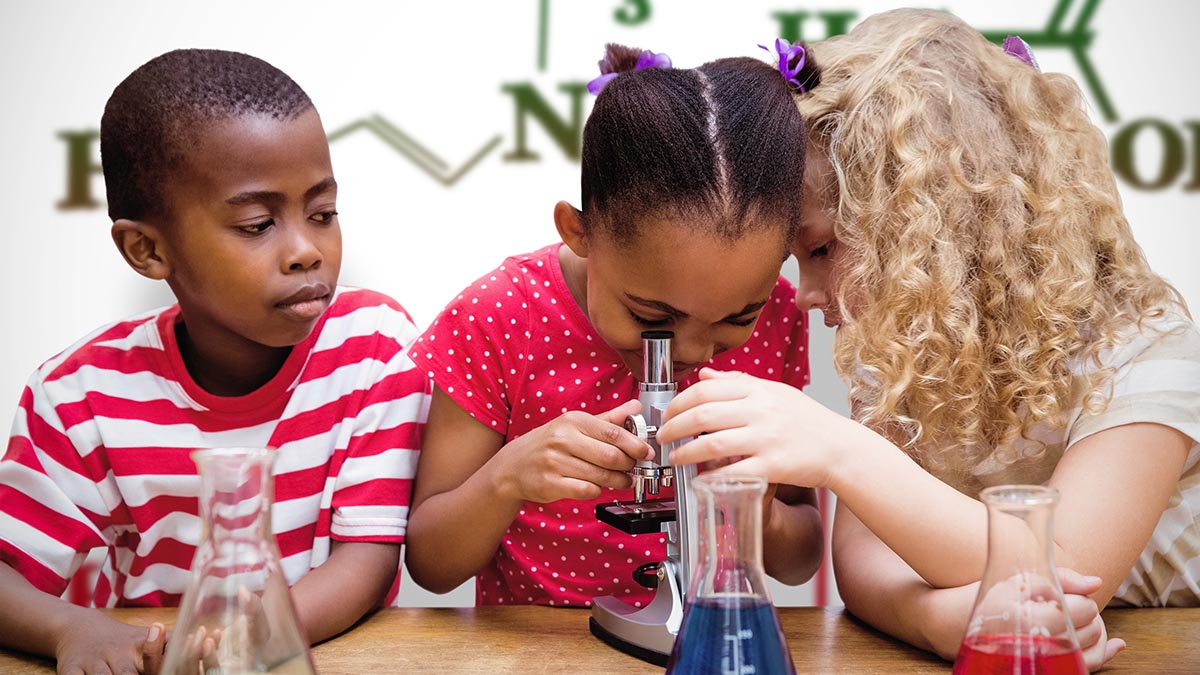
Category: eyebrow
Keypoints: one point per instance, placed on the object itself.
(664, 307)
(265, 196)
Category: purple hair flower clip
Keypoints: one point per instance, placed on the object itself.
(786, 52)
(647, 59)
(1015, 46)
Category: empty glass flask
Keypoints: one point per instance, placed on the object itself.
(1019, 625)
(236, 615)
(729, 624)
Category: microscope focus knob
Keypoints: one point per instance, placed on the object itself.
(636, 425)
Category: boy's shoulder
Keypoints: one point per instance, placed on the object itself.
(348, 299)
(131, 335)
(361, 312)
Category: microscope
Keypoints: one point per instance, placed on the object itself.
(649, 632)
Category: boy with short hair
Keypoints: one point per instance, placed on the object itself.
(219, 183)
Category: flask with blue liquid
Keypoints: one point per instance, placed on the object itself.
(729, 624)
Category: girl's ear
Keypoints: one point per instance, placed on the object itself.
(142, 246)
(569, 222)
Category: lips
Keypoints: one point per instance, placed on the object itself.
(307, 302)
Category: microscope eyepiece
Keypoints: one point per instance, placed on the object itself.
(656, 356)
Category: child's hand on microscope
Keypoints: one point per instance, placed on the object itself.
(572, 457)
(780, 433)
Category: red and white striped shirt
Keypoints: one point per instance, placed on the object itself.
(99, 451)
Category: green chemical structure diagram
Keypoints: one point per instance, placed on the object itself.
(1068, 27)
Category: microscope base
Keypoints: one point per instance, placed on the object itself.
(647, 633)
(611, 639)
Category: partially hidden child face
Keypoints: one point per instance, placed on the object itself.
(707, 289)
(255, 246)
(816, 246)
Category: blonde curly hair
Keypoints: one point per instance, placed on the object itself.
(975, 201)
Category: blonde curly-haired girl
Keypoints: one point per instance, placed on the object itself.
(997, 323)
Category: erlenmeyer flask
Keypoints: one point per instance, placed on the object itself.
(236, 615)
(729, 623)
(1019, 625)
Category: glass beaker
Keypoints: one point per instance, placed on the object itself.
(236, 615)
(729, 624)
(1019, 625)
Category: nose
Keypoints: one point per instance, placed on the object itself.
(301, 252)
(810, 295)
(692, 350)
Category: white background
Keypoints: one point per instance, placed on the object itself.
(435, 70)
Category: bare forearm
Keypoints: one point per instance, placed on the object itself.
(879, 588)
(355, 579)
(31, 620)
(938, 531)
(897, 601)
(80, 639)
(793, 542)
(454, 534)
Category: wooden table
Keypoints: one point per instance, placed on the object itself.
(531, 640)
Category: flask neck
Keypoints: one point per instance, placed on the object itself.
(236, 488)
(730, 537)
(1020, 531)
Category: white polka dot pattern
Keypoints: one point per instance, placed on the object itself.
(515, 351)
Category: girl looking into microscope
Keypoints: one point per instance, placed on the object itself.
(689, 185)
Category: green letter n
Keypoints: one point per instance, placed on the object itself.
(568, 135)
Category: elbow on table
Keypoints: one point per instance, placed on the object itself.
(431, 575)
(435, 584)
(802, 568)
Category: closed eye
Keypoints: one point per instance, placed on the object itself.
(650, 323)
(742, 322)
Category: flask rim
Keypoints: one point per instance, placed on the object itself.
(730, 482)
(1019, 495)
(239, 452)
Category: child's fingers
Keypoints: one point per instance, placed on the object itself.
(750, 466)
(613, 434)
(707, 373)
(737, 386)
(123, 667)
(714, 446)
(1099, 655)
(1076, 583)
(618, 414)
(607, 455)
(1089, 634)
(573, 488)
(580, 469)
(1115, 646)
(152, 649)
(704, 419)
(208, 651)
(1082, 610)
(194, 647)
(258, 628)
